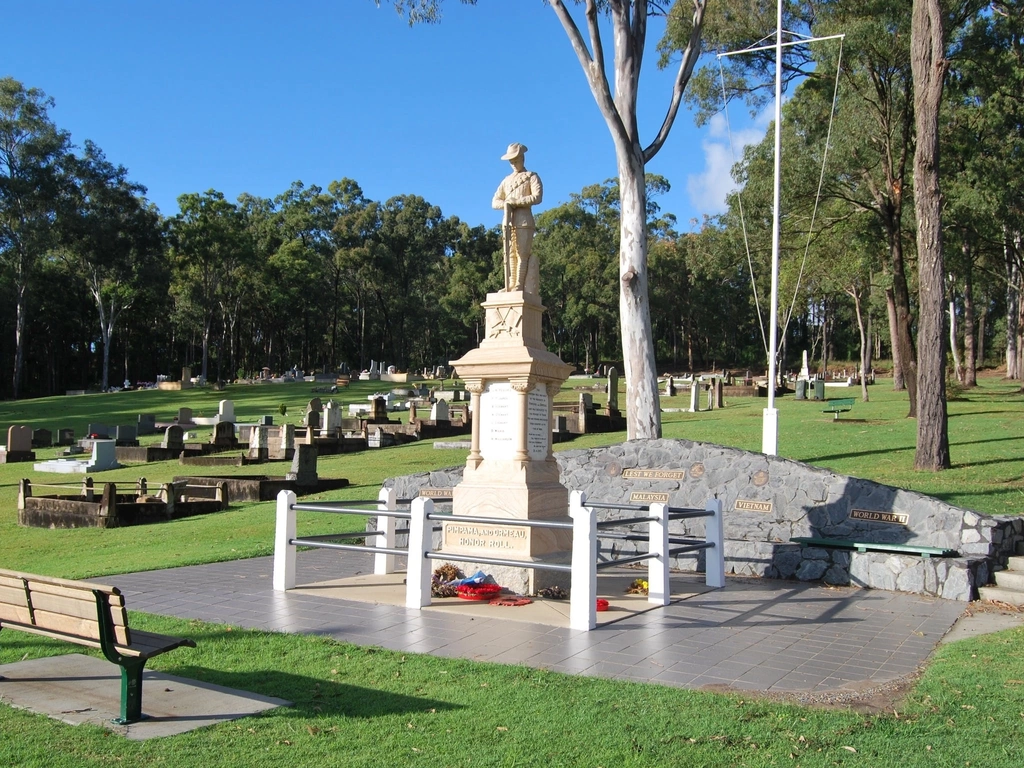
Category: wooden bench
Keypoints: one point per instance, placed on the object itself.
(839, 405)
(86, 614)
(864, 546)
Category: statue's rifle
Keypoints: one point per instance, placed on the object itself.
(506, 227)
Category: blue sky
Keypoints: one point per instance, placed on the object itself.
(251, 96)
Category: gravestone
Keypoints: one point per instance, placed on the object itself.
(281, 442)
(42, 438)
(65, 436)
(259, 443)
(613, 389)
(694, 396)
(303, 471)
(224, 435)
(586, 401)
(104, 456)
(439, 411)
(146, 424)
(805, 372)
(101, 431)
(265, 421)
(184, 416)
(718, 389)
(19, 444)
(378, 409)
(226, 411)
(332, 419)
(173, 438)
(670, 387)
(125, 434)
(313, 420)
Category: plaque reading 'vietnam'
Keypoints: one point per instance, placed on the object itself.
(893, 518)
(497, 406)
(654, 474)
(647, 497)
(747, 505)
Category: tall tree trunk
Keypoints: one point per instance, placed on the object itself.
(898, 382)
(904, 321)
(1013, 302)
(954, 346)
(929, 67)
(970, 331)
(980, 335)
(643, 407)
(19, 336)
(865, 342)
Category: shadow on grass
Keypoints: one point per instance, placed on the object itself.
(310, 696)
(855, 454)
(314, 697)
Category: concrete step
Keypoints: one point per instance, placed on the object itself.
(1015, 563)
(1001, 595)
(1010, 580)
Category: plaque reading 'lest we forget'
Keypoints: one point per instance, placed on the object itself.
(538, 423)
(497, 406)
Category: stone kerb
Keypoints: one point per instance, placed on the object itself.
(768, 500)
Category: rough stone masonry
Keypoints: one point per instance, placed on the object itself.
(768, 500)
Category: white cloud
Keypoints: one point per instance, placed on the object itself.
(707, 189)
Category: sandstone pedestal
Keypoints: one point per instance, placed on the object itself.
(510, 472)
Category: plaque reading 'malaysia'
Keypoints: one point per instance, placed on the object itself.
(894, 518)
(649, 497)
(538, 423)
(746, 505)
(497, 407)
(654, 474)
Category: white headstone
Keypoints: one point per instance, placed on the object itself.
(439, 411)
(226, 411)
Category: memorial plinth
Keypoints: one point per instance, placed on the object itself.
(510, 472)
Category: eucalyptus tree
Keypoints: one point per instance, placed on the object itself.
(617, 101)
(110, 236)
(471, 273)
(31, 149)
(872, 139)
(209, 242)
(577, 243)
(986, 128)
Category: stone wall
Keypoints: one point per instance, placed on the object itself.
(768, 500)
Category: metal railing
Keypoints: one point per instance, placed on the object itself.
(582, 568)
(383, 549)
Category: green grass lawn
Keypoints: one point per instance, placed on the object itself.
(359, 706)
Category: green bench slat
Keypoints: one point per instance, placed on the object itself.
(865, 546)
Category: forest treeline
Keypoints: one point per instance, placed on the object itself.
(99, 287)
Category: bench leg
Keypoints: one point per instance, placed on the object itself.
(131, 692)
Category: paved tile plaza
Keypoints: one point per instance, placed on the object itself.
(756, 635)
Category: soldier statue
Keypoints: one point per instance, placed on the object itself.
(516, 194)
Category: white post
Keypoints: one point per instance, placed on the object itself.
(583, 589)
(658, 590)
(386, 502)
(714, 557)
(417, 577)
(284, 550)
